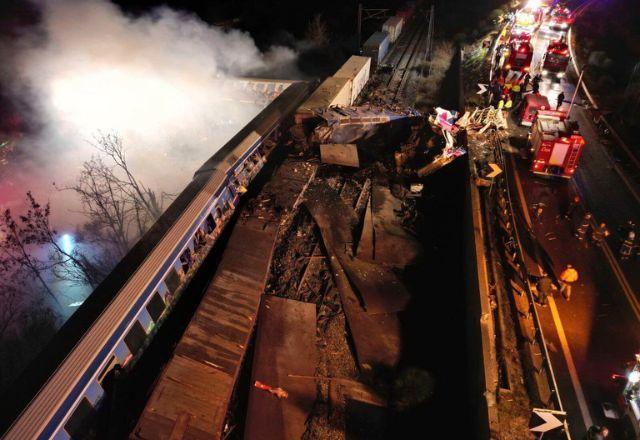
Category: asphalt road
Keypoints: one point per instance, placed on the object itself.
(598, 331)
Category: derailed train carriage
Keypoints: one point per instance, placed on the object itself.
(65, 382)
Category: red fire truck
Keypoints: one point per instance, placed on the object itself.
(531, 105)
(528, 18)
(519, 36)
(556, 144)
(518, 57)
(559, 20)
(556, 59)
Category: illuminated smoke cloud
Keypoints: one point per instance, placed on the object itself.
(154, 80)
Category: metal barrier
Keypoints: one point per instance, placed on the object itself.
(541, 377)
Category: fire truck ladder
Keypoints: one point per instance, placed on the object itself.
(573, 156)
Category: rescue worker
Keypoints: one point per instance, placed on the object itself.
(536, 79)
(596, 432)
(535, 88)
(495, 92)
(627, 245)
(525, 81)
(573, 205)
(628, 227)
(508, 105)
(560, 101)
(545, 287)
(538, 209)
(496, 60)
(535, 83)
(599, 234)
(517, 92)
(568, 276)
(583, 228)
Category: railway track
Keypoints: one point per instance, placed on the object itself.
(406, 61)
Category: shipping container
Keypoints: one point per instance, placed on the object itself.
(393, 26)
(332, 92)
(357, 69)
(376, 47)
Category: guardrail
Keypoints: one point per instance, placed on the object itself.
(541, 376)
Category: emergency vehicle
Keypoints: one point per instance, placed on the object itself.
(556, 144)
(531, 105)
(518, 57)
(628, 403)
(528, 18)
(519, 36)
(559, 20)
(556, 59)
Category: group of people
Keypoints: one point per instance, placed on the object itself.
(545, 286)
(628, 249)
(506, 89)
(583, 228)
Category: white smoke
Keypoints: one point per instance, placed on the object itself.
(155, 80)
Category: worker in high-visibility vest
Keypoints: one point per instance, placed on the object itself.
(627, 245)
(517, 92)
(568, 276)
(509, 104)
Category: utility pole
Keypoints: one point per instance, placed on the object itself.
(429, 49)
(359, 26)
(369, 14)
(575, 92)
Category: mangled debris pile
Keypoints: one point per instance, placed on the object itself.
(343, 283)
(481, 119)
(400, 138)
(484, 127)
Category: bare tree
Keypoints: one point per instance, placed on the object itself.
(120, 208)
(138, 193)
(67, 264)
(18, 239)
(104, 203)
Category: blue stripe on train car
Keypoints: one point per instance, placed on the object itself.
(54, 424)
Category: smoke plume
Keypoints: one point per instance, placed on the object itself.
(156, 80)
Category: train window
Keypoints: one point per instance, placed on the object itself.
(186, 259)
(122, 352)
(218, 213)
(77, 423)
(94, 393)
(209, 224)
(155, 306)
(172, 280)
(199, 240)
(61, 435)
(135, 338)
(145, 320)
